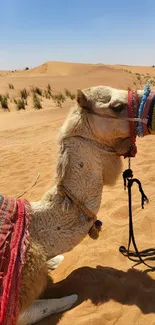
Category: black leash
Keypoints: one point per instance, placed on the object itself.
(135, 256)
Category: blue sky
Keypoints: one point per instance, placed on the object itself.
(94, 31)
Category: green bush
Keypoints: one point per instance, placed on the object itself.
(59, 99)
(48, 92)
(4, 101)
(11, 86)
(24, 93)
(37, 90)
(36, 101)
(73, 96)
(20, 104)
(49, 87)
(69, 94)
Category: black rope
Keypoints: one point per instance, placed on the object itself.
(135, 256)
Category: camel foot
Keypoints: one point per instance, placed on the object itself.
(44, 308)
(54, 262)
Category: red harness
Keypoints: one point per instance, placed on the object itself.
(133, 109)
(133, 106)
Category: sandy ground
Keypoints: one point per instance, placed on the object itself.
(110, 291)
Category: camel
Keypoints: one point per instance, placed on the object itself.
(89, 157)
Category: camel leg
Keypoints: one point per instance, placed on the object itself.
(43, 308)
(54, 262)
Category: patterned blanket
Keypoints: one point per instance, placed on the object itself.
(14, 238)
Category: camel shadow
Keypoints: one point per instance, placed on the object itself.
(102, 284)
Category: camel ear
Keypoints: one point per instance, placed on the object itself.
(82, 99)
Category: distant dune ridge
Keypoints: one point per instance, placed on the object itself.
(56, 68)
(76, 75)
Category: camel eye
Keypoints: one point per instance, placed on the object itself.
(118, 108)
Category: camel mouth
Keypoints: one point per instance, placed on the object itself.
(123, 146)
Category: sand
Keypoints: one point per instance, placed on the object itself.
(110, 291)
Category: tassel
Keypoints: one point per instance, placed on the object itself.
(93, 233)
(142, 104)
(98, 225)
(95, 229)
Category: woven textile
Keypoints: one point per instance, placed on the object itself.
(14, 239)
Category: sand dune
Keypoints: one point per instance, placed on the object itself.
(62, 68)
(69, 75)
(136, 69)
(54, 68)
(110, 292)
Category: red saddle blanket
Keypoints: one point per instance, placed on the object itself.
(14, 239)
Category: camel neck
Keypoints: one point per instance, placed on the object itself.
(56, 223)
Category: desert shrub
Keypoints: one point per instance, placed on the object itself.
(69, 94)
(36, 101)
(72, 96)
(20, 104)
(49, 87)
(24, 93)
(37, 90)
(11, 86)
(48, 92)
(4, 101)
(59, 99)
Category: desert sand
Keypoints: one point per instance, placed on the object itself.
(110, 291)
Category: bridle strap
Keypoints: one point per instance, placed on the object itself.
(133, 104)
(89, 215)
(134, 119)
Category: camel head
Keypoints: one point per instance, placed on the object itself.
(107, 112)
(111, 106)
(104, 112)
